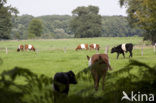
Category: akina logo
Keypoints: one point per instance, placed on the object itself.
(138, 97)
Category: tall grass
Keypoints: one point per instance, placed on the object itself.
(38, 89)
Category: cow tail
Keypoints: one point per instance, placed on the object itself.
(101, 60)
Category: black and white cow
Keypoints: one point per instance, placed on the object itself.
(120, 49)
(62, 80)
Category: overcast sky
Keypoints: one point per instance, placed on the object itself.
(63, 7)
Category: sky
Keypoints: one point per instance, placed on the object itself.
(65, 7)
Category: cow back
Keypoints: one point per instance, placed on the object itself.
(100, 61)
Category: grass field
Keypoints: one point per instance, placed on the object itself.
(51, 57)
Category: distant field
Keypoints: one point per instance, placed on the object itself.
(51, 58)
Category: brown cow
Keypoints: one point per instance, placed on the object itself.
(20, 48)
(94, 46)
(29, 47)
(99, 64)
(82, 46)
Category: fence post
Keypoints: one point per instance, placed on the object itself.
(97, 51)
(142, 50)
(154, 48)
(6, 50)
(106, 49)
(64, 49)
(37, 51)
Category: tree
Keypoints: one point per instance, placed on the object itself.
(20, 26)
(35, 27)
(86, 22)
(117, 26)
(141, 14)
(6, 13)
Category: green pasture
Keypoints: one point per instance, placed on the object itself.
(59, 55)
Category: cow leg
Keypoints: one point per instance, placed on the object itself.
(117, 55)
(96, 80)
(103, 79)
(130, 54)
(109, 67)
(123, 54)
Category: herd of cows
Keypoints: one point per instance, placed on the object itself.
(64, 79)
(120, 49)
(26, 47)
(85, 46)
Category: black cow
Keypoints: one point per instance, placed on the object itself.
(61, 84)
(123, 48)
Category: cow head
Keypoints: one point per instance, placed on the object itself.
(18, 50)
(89, 60)
(33, 49)
(72, 78)
(113, 50)
(76, 49)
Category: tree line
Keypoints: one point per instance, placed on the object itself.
(58, 26)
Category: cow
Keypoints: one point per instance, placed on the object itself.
(99, 64)
(62, 80)
(29, 47)
(20, 48)
(82, 46)
(120, 49)
(94, 46)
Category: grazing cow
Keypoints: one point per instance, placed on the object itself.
(29, 47)
(123, 48)
(61, 84)
(20, 48)
(82, 46)
(99, 64)
(94, 46)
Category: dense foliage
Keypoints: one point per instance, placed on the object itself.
(6, 13)
(38, 89)
(117, 26)
(57, 26)
(141, 14)
(86, 22)
(35, 28)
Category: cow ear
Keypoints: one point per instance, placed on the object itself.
(70, 71)
(88, 57)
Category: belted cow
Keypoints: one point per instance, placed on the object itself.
(120, 49)
(99, 64)
(94, 46)
(82, 46)
(20, 48)
(29, 47)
